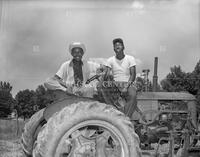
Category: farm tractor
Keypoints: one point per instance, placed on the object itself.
(163, 125)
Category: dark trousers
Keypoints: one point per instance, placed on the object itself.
(111, 91)
(131, 103)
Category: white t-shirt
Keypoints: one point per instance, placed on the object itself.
(121, 68)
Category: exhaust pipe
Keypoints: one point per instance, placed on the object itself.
(155, 76)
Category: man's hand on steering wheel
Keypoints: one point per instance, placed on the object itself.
(92, 78)
(97, 76)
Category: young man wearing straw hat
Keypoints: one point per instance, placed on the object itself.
(73, 74)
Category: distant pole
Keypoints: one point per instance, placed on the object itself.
(155, 76)
(146, 74)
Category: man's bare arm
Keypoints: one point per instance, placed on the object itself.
(108, 71)
(61, 82)
(132, 76)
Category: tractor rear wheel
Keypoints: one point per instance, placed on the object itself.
(88, 129)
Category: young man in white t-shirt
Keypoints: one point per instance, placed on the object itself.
(123, 69)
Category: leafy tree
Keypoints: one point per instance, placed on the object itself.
(196, 77)
(30, 101)
(6, 99)
(26, 100)
(43, 96)
(195, 80)
(176, 80)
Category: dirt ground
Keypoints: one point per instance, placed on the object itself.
(10, 148)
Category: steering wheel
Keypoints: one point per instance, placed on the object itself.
(92, 78)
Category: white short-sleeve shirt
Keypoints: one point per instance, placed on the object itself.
(66, 72)
(121, 68)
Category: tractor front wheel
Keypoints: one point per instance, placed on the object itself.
(87, 129)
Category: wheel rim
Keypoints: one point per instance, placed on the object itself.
(82, 140)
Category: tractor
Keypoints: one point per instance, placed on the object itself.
(76, 126)
(164, 124)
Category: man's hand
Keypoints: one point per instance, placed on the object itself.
(68, 87)
(77, 91)
(124, 91)
(60, 81)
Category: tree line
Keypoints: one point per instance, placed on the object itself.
(178, 81)
(27, 102)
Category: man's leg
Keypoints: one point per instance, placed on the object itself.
(53, 84)
(131, 104)
(56, 91)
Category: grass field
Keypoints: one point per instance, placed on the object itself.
(11, 129)
(10, 148)
(10, 133)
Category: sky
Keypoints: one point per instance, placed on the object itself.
(35, 35)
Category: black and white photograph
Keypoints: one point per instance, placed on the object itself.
(99, 78)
